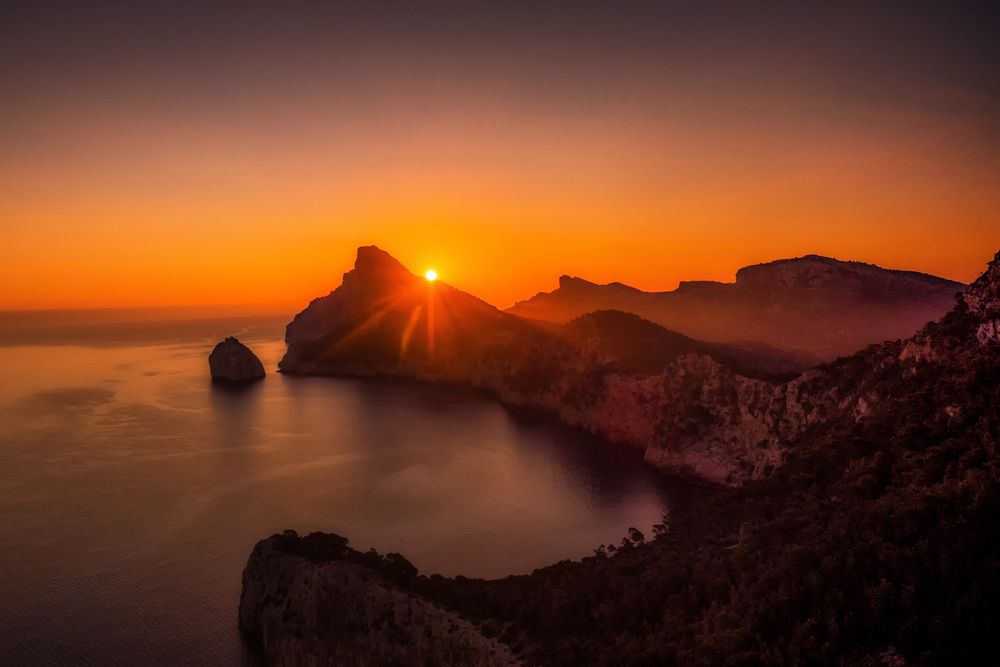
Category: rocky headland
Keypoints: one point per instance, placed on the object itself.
(863, 530)
(722, 412)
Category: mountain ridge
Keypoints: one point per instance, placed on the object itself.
(568, 279)
(811, 304)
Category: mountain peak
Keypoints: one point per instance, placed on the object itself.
(384, 317)
(372, 259)
(570, 282)
(812, 270)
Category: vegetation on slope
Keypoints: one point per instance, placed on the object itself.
(878, 542)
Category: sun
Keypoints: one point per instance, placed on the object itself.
(431, 275)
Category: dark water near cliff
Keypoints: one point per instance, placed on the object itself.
(132, 490)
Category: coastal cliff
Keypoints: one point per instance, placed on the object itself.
(314, 600)
(873, 543)
(690, 406)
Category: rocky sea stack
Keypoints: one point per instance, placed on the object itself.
(232, 361)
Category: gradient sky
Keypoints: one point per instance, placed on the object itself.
(173, 153)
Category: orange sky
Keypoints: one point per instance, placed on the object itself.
(167, 189)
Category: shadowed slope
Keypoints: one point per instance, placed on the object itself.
(385, 319)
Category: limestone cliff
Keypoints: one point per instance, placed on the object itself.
(315, 601)
(690, 406)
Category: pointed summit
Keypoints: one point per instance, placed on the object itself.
(372, 259)
(385, 319)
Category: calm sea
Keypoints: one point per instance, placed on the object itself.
(132, 490)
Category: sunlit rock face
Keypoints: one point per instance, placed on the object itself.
(315, 601)
(689, 406)
(817, 305)
(232, 361)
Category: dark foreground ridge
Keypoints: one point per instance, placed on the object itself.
(876, 541)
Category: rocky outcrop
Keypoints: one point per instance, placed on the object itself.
(813, 304)
(981, 297)
(315, 601)
(232, 361)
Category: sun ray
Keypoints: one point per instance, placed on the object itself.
(411, 324)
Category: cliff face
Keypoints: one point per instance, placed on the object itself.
(690, 406)
(818, 305)
(314, 601)
(693, 413)
(744, 427)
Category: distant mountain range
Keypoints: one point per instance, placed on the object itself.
(815, 305)
(383, 319)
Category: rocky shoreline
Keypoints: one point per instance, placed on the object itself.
(314, 600)
(878, 470)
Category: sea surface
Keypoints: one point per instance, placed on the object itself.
(132, 490)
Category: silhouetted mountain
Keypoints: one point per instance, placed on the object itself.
(383, 319)
(871, 539)
(818, 305)
(618, 376)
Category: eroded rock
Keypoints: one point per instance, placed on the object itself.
(232, 361)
